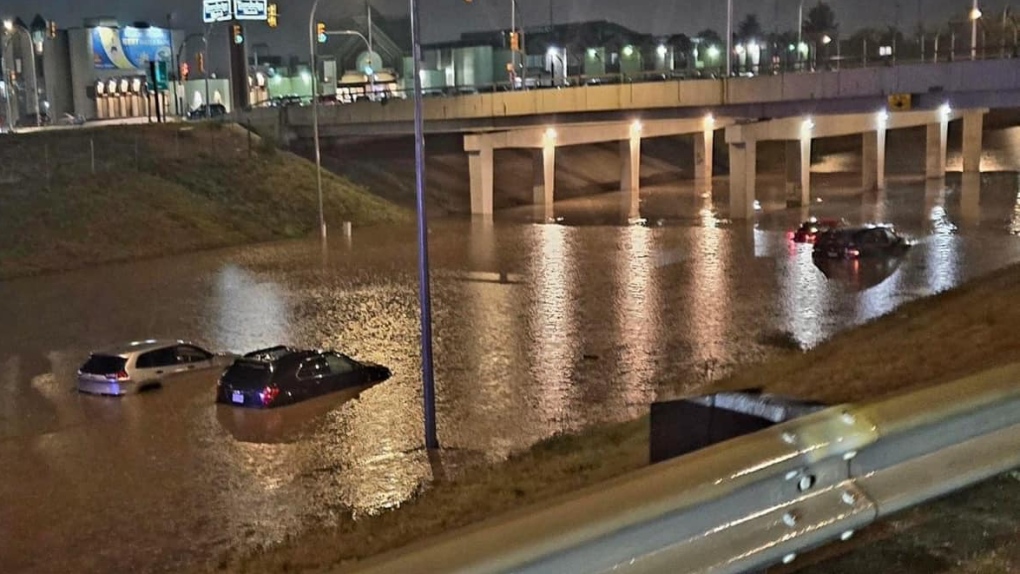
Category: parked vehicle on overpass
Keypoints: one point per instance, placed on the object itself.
(142, 365)
(280, 376)
(211, 111)
(855, 242)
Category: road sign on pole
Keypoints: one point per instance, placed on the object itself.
(217, 11)
(250, 9)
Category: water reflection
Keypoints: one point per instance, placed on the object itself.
(249, 313)
(637, 323)
(940, 252)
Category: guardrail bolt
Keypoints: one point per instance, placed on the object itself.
(790, 519)
(849, 498)
(806, 482)
(848, 418)
(789, 437)
(846, 535)
(850, 455)
(792, 474)
(789, 558)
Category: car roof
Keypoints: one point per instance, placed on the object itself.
(139, 346)
(279, 353)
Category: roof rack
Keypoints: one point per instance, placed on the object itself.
(270, 354)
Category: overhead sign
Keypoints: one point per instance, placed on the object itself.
(251, 9)
(129, 48)
(216, 11)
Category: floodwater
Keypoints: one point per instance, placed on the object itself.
(539, 328)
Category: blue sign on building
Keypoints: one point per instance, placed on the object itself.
(130, 48)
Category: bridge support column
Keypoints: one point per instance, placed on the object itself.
(703, 146)
(544, 172)
(973, 124)
(743, 156)
(480, 172)
(935, 163)
(630, 171)
(873, 160)
(798, 171)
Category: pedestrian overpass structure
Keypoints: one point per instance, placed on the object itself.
(795, 108)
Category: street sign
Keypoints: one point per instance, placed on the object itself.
(216, 11)
(250, 9)
(900, 102)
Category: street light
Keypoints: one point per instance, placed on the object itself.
(10, 26)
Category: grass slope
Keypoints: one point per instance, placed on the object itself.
(924, 342)
(158, 190)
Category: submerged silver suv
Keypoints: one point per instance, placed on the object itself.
(142, 365)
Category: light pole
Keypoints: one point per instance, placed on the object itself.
(729, 38)
(424, 288)
(975, 14)
(9, 26)
(315, 116)
(800, 28)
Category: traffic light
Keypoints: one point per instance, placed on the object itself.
(271, 15)
(238, 34)
(515, 42)
(201, 62)
(184, 71)
(320, 32)
(52, 28)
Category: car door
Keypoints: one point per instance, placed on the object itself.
(191, 358)
(156, 364)
(344, 372)
(312, 378)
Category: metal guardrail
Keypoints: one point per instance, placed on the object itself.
(754, 501)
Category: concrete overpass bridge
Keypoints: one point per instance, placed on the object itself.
(795, 108)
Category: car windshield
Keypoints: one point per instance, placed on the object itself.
(103, 365)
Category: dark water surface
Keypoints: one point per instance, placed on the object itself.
(539, 329)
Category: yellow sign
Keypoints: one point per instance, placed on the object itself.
(900, 102)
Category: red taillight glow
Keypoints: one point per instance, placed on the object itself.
(119, 376)
(268, 395)
(853, 253)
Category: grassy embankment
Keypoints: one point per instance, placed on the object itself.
(922, 343)
(158, 190)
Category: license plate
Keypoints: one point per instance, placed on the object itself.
(238, 397)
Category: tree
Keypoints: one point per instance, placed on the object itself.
(821, 19)
(710, 36)
(749, 28)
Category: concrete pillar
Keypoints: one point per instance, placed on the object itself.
(703, 159)
(630, 170)
(973, 124)
(480, 172)
(935, 163)
(798, 170)
(873, 160)
(743, 156)
(544, 170)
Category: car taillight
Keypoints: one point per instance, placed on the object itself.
(268, 395)
(119, 375)
(853, 253)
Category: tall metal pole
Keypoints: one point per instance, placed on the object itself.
(205, 72)
(973, 30)
(35, 74)
(729, 38)
(315, 117)
(513, 52)
(424, 290)
(800, 28)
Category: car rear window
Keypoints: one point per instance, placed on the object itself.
(248, 374)
(103, 365)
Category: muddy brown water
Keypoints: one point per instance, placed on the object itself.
(540, 328)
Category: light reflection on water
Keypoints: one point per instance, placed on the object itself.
(539, 329)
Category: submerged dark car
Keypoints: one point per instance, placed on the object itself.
(855, 242)
(809, 231)
(280, 376)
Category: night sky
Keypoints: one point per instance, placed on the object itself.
(446, 19)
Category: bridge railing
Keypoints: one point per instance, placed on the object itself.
(757, 500)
